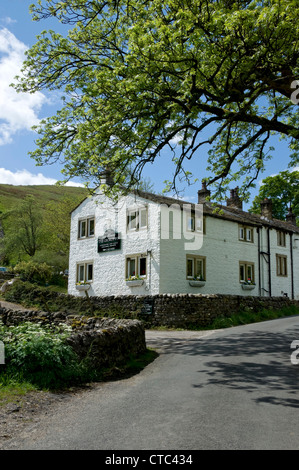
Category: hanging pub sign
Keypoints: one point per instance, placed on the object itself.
(110, 241)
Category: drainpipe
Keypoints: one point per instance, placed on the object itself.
(259, 260)
(292, 266)
(269, 263)
(148, 254)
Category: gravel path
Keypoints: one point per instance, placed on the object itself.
(12, 306)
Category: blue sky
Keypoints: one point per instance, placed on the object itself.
(19, 112)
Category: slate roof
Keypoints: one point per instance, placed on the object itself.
(219, 211)
(224, 212)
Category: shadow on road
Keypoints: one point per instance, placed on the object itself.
(253, 361)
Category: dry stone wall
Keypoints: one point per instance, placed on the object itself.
(104, 341)
(170, 310)
(185, 310)
(190, 310)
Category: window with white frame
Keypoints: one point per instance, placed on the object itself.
(85, 272)
(86, 227)
(196, 267)
(246, 270)
(196, 224)
(245, 233)
(136, 266)
(137, 218)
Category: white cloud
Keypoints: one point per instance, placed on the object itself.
(24, 178)
(18, 111)
(295, 168)
(8, 20)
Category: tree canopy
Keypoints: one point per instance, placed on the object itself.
(36, 227)
(283, 190)
(25, 234)
(142, 76)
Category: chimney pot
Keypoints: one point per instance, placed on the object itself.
(291, 217)
(203, 193)
(106, 177)
(234, 200)
(266, 208)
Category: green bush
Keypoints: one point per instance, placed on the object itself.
(40, 355)
(34, 272)
(30, 295)
(25, 293)
(59, 280)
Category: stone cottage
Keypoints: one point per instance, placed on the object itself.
(147, 244)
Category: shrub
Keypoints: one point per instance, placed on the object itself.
(41, 353)
(25, 293)
(34, 272)
(59, 280)
(29, 295)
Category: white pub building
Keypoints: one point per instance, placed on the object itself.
(147, 244)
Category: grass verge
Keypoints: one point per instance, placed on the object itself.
(13, 387)
(247, 317)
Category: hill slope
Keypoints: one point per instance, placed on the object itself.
(11, 195)
(50, 241)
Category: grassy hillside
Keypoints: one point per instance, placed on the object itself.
(54, 204)
(11, 195)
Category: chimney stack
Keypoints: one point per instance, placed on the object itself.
(291, 217)
(266, 208)
(234, 200)
(106, 177)
(203, 193)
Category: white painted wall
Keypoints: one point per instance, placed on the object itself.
(109, 267)
(281, 284)
(296, 264)
(222, 250)
(167, 250)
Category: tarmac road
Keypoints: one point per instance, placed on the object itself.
(229, 389)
